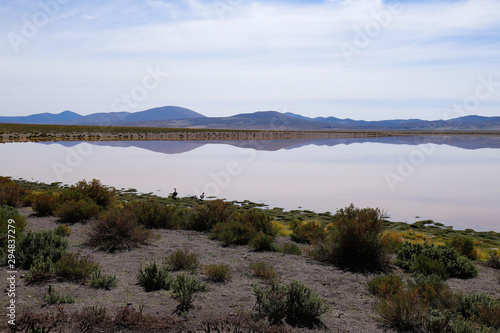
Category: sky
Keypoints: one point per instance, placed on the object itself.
(359, 59)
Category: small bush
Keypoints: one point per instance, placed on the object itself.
(432, 290)
(392, 241)
(291, 249)
(183, 260)
(481, 308)
(185, 289)
(203, 217)
(308, 232)
(74, 211)
(155, 215)
(233, 232)
(429, 259)
(51, 296)
(264, 271)
(295, 302)
(101, 281)
(44, 244)
(494, 259)
(63, 230)
(402, 310)
(242, 322)
(218, 272)
(263, 242)
(42, 269)
(102, 195)
(11, 194)
(154, 277)
(117, 229)
(241, 228)
(44, 204)
(428, 266)
(91, 316)
(74, 267)
(463, 245)
(259, 220)
(382, 286)
(355, 240)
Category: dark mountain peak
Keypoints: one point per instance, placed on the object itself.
(163, 113)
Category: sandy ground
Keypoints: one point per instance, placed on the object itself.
(345, 292)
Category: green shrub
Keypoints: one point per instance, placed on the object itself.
(402, 310)
(63, 230)
(480, 308)
(154, 214)
(355, 240)
(428, 266)
(291, 249)
(432, 290)
(101, 281)
(75, 267)
(295, 302)
(493, 260)
(73, 211)
(218, 272)
(44, 204)
(42, 269)
(463, 245)
(51, 296)
(203, 217)
(154, 277)
(259, 220)
(233, 232)
(11, 193)
(44, 244)
(423, 258)
(117, 229)
(308, 232)
(185, 289)
(183, 260)
(16, 229)
(264, 271)
(102, 195)
(241, 228)
(382, 286)
(263, 242)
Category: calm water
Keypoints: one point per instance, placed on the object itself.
(455, 181)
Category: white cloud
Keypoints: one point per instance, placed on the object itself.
(263, 55)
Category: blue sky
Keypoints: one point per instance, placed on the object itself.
(361, 59)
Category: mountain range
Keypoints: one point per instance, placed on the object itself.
(178, 117)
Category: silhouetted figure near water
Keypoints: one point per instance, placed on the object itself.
(174, 195)
(202, 196)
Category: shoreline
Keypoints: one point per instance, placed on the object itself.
(49, 133)
(433, 228)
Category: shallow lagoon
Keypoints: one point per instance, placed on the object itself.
(452, 180)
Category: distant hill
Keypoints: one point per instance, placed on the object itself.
(43, 118)
(106, 118)
(178, 117)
